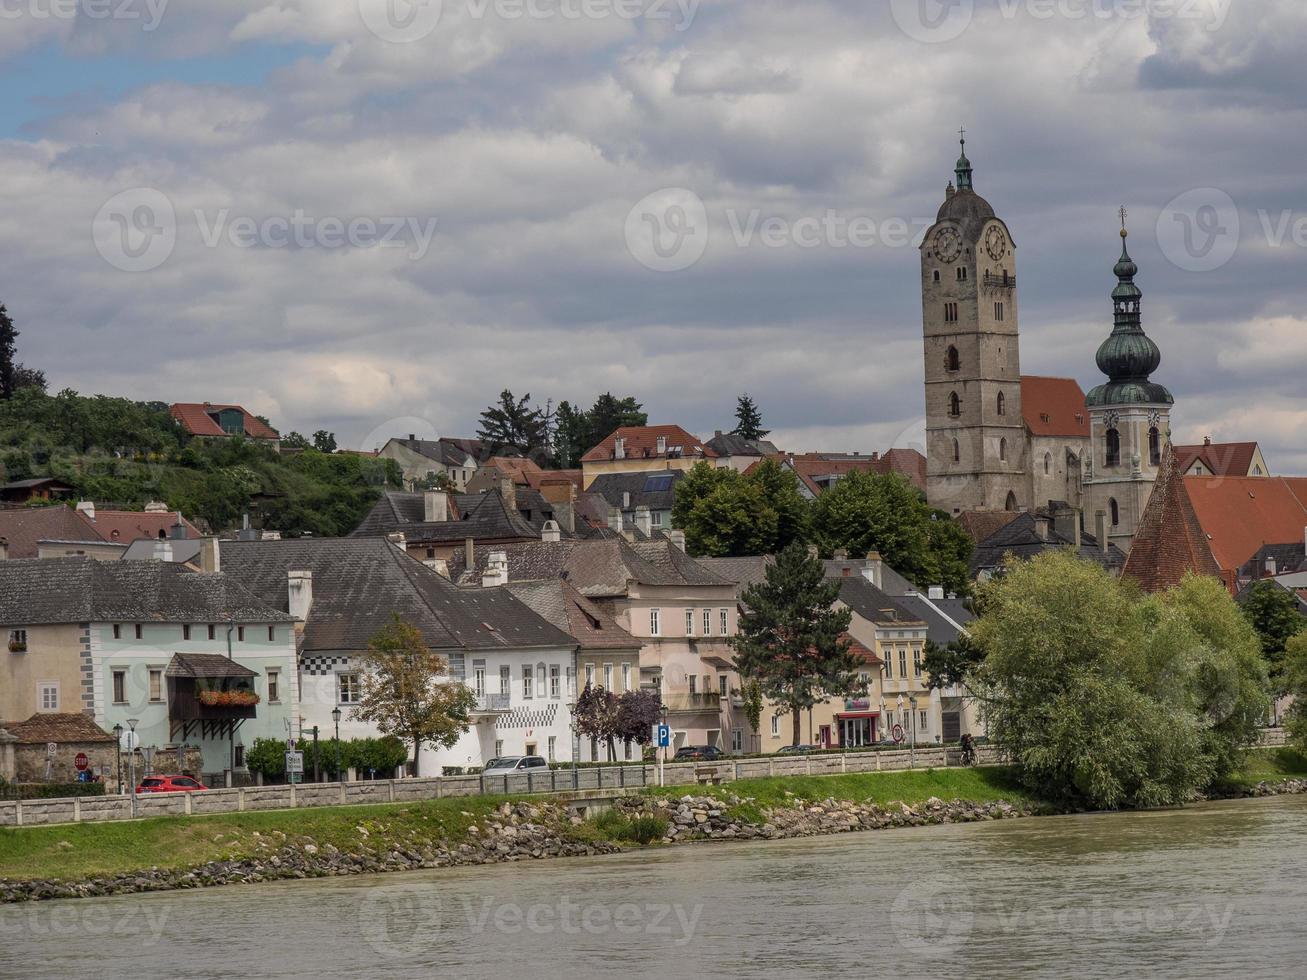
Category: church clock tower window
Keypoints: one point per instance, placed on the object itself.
(954, 405)
(954, 360)
(1154, 447)
(1112, 455)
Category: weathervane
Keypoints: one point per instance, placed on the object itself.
(1124, 214)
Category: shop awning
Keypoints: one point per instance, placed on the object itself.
(842, 715)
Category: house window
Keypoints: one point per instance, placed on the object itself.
(1116, 512)
(903, 662)
(1155, 447)
(608, 677)
(139, 631)
(1113, 447)
(272, 634)
(186, 632)
(274, 686)
(953, 361)
(954, 405)
(118, 631)
(238, 752)
(655, 622)
(349, 691)
(505, 679)
(721, 684)
(725, 621)
(213, 630)
(555, 681)
(737, 740)
(156, 684)
(240, 634)
(1002, 403)
(48, 695)
(589, 675)
(689, 622)
(527, 684)
(916, 663)
(922, 726)
(707, 622)
(775, 724)
(656, 518)
(499, 747)
(694, 684)
(120, 687)
(479, 680)
(626, 677)
(18, 641)
(889, 667)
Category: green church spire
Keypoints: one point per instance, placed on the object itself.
(964, 165)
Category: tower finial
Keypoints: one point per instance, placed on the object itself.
(964, 165)
(1124, 214)
(962, 136)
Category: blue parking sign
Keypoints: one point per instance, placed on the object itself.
(663, 735)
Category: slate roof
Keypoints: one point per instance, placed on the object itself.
(25, 526)
(744, 572)
(560, 603)
(1241, 513)
(596, 566)
(1219, 458)
(874, 605)
(183, 551)
(206, 665)
(1054, 407)
(646, 489)
(938, 628)
(641, 442)
(45, 591)
(732, 444)
(1021, 539)
(891, 582)
(479, 516)
(447, 452)
(62, 728)
(359, 584)
(1169, 541)
(1288, 558)
(195, 419)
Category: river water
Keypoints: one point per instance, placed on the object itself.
(1213, 891)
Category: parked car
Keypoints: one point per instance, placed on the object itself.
(170, 784)
(698, 753)
(797, 749)
(509, 764)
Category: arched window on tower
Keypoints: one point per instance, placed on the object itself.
(1154, 446)
(1113, 448)
(1048, 463)
(1116, 513)
(1002, 449)
(1011, 501)
(1002, 403)
(957, 451)
(953, 360)
(954, 405)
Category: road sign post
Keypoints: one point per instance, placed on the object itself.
(662, 738)
(295, 766)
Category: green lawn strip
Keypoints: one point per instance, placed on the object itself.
(73, 851)
(1268, 765)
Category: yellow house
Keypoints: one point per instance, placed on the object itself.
(645, 449)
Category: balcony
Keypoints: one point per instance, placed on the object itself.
(693, 702)
(208, 694)
(1005, 281)
(492, 704)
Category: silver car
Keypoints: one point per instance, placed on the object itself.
(509, 765)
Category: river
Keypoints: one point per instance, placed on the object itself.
(1218, 890)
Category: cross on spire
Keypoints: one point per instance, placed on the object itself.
(962, 136)
(1124, 214)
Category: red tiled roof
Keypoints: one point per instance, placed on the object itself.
(811, 467)
(1054, 406)
(1170, 541)
(517, 468)
(25, 526)
(642, 443)
(1242, 513)
(1220, 458)
(981, 524)
(42, 728)
(194, 417)
(862, 651)
(126, 526)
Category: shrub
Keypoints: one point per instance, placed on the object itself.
(647, 829)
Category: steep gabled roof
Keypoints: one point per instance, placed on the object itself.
(482, 516)
(560, 603)
(446, 452)
(1169, 541)
(875, 606)
(1241, 513)
(1220, 458)
(733, 444)
(641, 442)
(64, 728)
(195, 419)
(1054, 407)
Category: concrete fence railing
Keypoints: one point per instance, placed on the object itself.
(31, 813)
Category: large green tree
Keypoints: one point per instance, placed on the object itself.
(1273, 613)
(726, 514)
(748, 419)
(865, 512)
(513, 425)
(791, 638)
(407, 693)
(571, 435)
(13, 375)
(610, 413)
(1295, 683)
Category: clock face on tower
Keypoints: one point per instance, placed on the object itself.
(996, 243)
(948, 244)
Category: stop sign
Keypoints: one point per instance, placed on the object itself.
(81, 762)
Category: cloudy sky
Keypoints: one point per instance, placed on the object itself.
(372, 215)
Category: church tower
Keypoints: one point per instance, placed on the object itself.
(976, 447)
(1129, 417)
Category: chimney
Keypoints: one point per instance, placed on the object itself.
(875, 569)
(210, 558)
(398, 539)
(435, 507)
(412, 437)
(644, 521)
(163, 550)
(508, 490)
(496, 572)
(87, 508)
(841, 554)
(615, 519)
(677, 538)
(178, 529)
(1066, 522)
(565, 515)
(551, 533)
(1207, 440)
(619, 448)
(469, 553)
(4, 549)
(717, 434)
(1042, 524)
(1100, 530)
(626, 500)
(936, 592)
(300, 590)
(662, 445)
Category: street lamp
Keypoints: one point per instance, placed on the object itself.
(131, 743)
(881, 719)
(118, 739)
(335, 716)
(912, 759)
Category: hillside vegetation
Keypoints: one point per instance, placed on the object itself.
(123, 453)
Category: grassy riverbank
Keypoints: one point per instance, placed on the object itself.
(75, 852)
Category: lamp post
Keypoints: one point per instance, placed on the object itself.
(118, 740)
(131, 741)
(881, 719)
(335, 716)
(912, 758)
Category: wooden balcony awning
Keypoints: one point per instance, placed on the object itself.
(207, 666)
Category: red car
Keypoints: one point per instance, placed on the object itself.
(170, 784)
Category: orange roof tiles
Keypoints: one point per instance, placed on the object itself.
(1170, 541)
(1220, 458)
(641, 442)
(1054, 406)
(195, 419)
(1242, 513)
